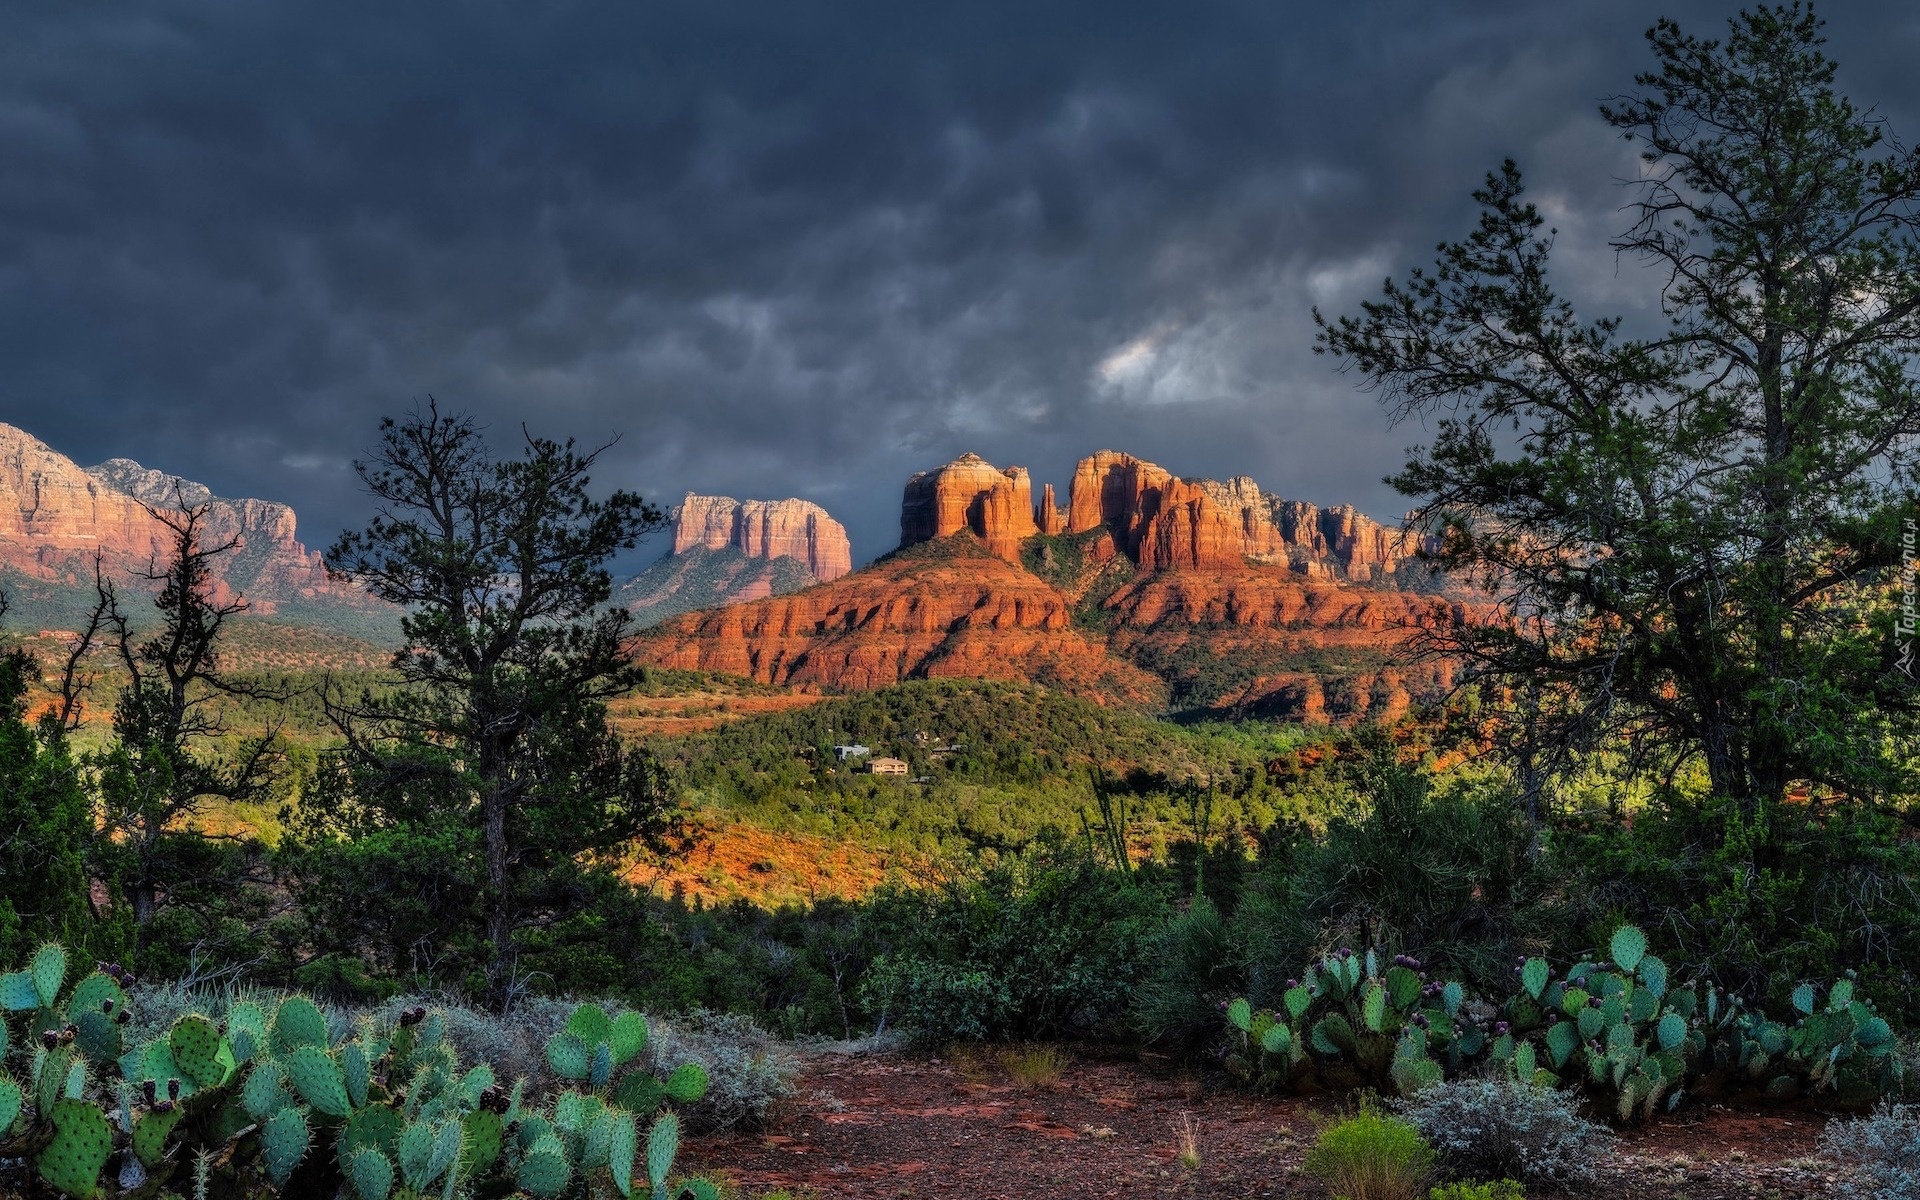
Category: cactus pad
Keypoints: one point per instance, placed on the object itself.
(1373, 1009)
(1240, 1015)
(49, 971)
(11, 1101)
(623, 1142)
(81, 1142)
(600, 1070)
(688, 1083)
(639, 1092)
(663, 1142)
(283, 1143)
(1628, 947)
(569, 1057)
(371, 1173)
(97, 1035)
(17, 993)
(356, 1071)
(98, 993)
(263, 1094)
(316, 1077)
(1562, 1040)
(627, 1036)
(544, 1171)
(1534, 974)
(196, 1045)
(480, 1143)
(589, 1023)
(298, 1023)
(150, 1135)
(376, 1128)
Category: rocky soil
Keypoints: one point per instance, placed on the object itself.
(911, 1128)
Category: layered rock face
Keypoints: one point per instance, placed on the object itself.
(796, 529)
(60, 517)
(1158, 520)
(968, 615)
(1163, 522)
(970, 493)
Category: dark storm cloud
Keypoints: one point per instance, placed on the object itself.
(784, 248)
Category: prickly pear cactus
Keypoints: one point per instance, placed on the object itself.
(248, 1105)
(81, 1143)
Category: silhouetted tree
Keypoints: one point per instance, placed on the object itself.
(166, 763)
(497, 745)
(1692, 530)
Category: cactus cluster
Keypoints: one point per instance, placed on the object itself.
(1619, 1029)
(270, 1102)
(1354, 1020)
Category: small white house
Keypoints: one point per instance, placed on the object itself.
(843, 753)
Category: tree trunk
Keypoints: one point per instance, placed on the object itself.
(499, 904)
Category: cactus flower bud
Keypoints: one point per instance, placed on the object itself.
(50, 1038)
(1501, 1027)
(163, 1106)
(173, 1089)
(124, 1016)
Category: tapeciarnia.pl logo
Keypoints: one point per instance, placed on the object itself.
(1909, 622)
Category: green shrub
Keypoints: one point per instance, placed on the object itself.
(1504, 1129)
(1760, 903)
(1504, 1189)
(1371, 1156)
(1045, 946)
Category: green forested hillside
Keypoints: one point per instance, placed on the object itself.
(989, 765)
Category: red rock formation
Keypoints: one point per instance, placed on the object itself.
(1050, 519)
(769, 529)
(1191, 531)
(970, 494)
(61, 517)
(963, 615)
(1162, 522)
(1116, 490)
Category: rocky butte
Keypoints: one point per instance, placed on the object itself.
(726, 551)
(1147, 589)
(57, 519)
(1156, 519)
(796, 529)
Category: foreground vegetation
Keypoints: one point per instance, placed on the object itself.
(1662, 846)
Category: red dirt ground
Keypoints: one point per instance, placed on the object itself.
(921, 1128)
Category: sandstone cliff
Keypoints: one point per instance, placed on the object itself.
(769, 529)
(60, 517)
(971, 494)
(1156, 519)
(951, 611)
(1163, 522)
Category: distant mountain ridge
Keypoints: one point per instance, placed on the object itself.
(57, 519)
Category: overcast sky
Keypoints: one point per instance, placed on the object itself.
(781, 247)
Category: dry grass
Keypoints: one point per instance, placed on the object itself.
(1035, 1068)
(969, 1062)
(1186, 1139)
